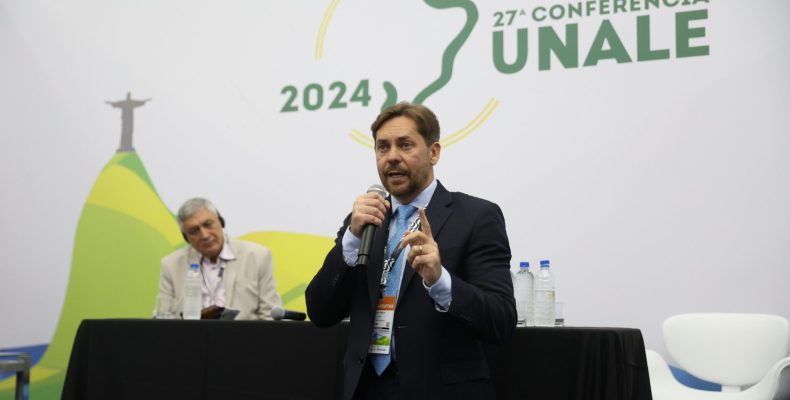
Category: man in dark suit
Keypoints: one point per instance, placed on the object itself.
(416, 330)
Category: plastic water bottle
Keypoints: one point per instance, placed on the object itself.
(544, 295)
(523, 287)
(193, 296)
(530, 298)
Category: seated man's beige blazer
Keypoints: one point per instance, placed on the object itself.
(249, 283)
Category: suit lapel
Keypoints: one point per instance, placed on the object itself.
(437, 212)
(229, 275)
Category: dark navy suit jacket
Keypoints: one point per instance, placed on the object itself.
(439, 354)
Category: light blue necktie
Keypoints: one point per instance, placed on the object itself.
(381, 361)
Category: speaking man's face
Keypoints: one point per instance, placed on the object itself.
(204, 232)
(405, 162)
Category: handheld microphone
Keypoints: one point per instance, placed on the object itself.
(367, 233)
(279, 313)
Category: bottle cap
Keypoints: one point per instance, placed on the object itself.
(194, 266)
(524, 264)
(544, 264)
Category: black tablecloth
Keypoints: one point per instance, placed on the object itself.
(148, 359)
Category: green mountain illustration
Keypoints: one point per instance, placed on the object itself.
(123, 232)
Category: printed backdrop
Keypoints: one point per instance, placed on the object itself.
(639, 145)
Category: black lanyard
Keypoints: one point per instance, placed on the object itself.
(392, 259)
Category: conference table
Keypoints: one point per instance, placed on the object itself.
(175, 359)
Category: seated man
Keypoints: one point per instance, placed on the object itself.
(236, 275)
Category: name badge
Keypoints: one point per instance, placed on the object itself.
(382, 326)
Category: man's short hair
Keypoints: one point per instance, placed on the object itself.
(423, 117)
(191, 206)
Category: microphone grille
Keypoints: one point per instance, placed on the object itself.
(376, 188)
(277, 313)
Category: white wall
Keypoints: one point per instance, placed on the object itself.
(655, 187)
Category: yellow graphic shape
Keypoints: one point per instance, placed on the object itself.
(446, 142)
(37, 374)
(121, 190)
(472, 125)
(361, 138)
(297, 257)
(319, 41)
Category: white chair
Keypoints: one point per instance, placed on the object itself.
(734, 350)
(664, 386)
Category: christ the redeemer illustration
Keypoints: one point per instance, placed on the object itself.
(127, 107)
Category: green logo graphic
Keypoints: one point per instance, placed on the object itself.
(446, 74)
(511, 30)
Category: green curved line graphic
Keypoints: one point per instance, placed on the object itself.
(392, 95)
(448, 57)
(293, 293)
